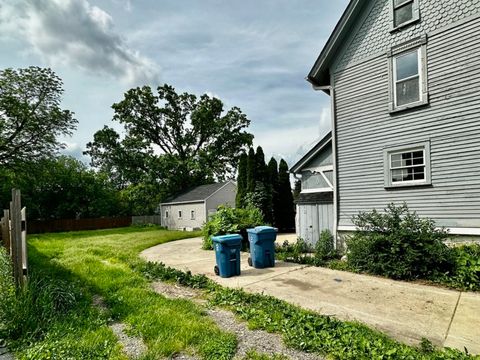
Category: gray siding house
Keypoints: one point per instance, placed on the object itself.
(314, 205)
(404, 81)
(190, 210)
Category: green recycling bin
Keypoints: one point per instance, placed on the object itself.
(262, 246)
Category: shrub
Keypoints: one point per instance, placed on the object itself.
(229, 220)
(325, 248)
(466, 271)
(398, 244)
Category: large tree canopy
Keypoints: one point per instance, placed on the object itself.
(178, 140)
(31, 119)
(61, 188)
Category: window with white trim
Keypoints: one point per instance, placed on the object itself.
(192, 215)
(408, 76)
(407, 165)
(166, 214)
(179, 214)
(404, 12)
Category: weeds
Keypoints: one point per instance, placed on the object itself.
(302, 329)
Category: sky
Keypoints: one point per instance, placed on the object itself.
(254, 54)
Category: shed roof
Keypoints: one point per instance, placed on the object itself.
(319, 146)
(319, 75)
(197, 194)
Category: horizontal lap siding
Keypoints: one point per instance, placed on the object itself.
(451, 123)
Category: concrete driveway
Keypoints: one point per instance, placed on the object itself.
(405, 311)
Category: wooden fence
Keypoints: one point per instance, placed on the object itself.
(14, 237)
(63, 225)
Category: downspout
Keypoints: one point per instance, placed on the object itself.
(331, 91)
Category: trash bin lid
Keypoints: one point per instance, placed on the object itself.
(229, 239)
(263, 230)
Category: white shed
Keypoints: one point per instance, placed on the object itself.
(315, 202)
(190, 210)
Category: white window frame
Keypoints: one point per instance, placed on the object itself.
(393, 150)
(179, 214)
(192, 214)
(166, 214)
(419, 45)
(415, 14)
(319, 170)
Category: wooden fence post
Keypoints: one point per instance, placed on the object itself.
(6, 230)
(24, 243)
(16, 231)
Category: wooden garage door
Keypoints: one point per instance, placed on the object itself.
(313, 218)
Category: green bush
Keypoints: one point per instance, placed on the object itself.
(466, 271)
(325, 248)
(399, 244)
(229, 220)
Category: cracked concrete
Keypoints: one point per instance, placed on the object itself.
(405, 311)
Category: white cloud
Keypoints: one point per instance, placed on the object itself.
(74, 33)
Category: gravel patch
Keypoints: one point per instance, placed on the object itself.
(133, 346)
(173, 291)
(258, 340)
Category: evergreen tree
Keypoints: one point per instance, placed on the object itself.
(286, 219)
(241, 181)
(297, 189)
(251, 171)
(272, 178)
(261, 167)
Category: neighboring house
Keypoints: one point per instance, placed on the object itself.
(315, 202)
(403, 77)
(190, 210)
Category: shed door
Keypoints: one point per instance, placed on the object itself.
(309, 223)
(313, 219)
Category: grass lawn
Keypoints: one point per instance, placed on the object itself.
(55, 318)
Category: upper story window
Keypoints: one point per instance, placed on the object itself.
(407, 165)
(408, 76)
(404, 12)
(179, 214)
(166, 214)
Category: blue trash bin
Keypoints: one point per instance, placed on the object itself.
(262, 246)
(227, 254)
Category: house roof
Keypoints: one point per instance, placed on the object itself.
(311, 154)
(197, 194)
(319, 75)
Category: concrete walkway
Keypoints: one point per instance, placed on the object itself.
(405, 311)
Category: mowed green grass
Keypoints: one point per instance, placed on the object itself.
(101, 262)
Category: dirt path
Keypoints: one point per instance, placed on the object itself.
(260, 341)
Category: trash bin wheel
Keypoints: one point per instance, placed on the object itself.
(216, 270)
(250, 261)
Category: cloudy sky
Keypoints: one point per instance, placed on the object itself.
(254, 54)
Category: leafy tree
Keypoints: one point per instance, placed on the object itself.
(286, 219)
(272, 179)
(31, 118)
(251, 170)
(178, 139)
(241, 181)
(61, 188)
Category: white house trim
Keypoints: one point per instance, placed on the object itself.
(451, 230)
